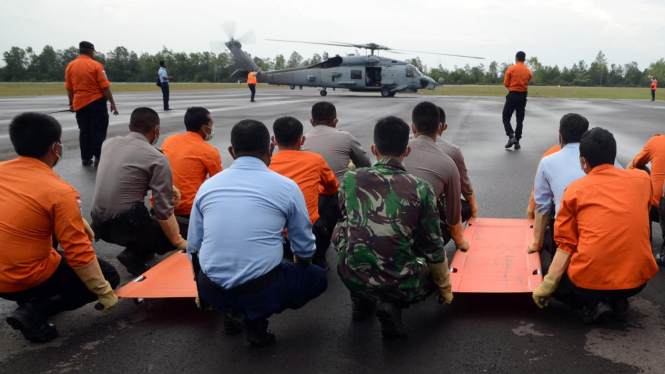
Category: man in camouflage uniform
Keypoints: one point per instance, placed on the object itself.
(389, 238)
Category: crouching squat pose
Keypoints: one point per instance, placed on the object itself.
(235, 239)
(602, 232)
(389, 237)
(37, 205)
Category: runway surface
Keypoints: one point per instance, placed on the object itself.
(476, 334)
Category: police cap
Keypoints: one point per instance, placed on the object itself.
(87, 45)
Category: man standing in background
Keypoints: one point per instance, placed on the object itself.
(88, 89)
(164, 83)
(516, 81)
(251, 82)
(654, 85)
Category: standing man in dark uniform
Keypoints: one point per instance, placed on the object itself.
(516, 81)
(164, 83)
(251, 82)
(88, 89)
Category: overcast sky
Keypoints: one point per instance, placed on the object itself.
(556, 31)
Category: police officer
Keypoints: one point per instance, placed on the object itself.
(164, 83)
(251, 82)
(131, 167)
(88, 90)
(36, 206)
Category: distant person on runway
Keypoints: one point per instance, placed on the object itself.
(654, 86)
(164, 83)
(251, 82)
(88, 90)
(516, 81)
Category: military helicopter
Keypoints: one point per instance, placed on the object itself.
(355, 73)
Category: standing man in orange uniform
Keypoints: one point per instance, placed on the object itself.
(251, 82)
(192, 160)
(516, 81)
(654, 86)
(315, 179)
(88, 90)
(36, 205)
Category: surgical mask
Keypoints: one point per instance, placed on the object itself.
(61, 155)
(156, 137)
(211, 135)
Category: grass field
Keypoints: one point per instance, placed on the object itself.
(32, 89)
(35, 89)
(549, 91)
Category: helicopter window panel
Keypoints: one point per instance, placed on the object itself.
(356, 74)
(411, 72)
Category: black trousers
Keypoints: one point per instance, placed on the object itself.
(653, 95)
(578, 298)
(466, 214)
(93, 121)
(252, 88)
(165, 94)
(135, 230)
(64, 283)
(183, 224)
(329, 214)
(515, 102)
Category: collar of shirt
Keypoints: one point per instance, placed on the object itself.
(194, 136)
(85, 56)
(138, 135)
(601, 168)
(322, 129)
(248, 163)
(34, 162)
(391, 164)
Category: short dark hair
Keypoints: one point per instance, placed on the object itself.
(287, 131)
(426, 118)
(32, 134)
(520, 56)
(195, 117)
(442, 115)
(598, 147)
(143, 120)
(250, 136)
(391, 136)
(161, 63)
(572, 126)
(324, 112)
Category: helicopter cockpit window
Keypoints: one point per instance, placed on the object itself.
(356, 74)
(411, 72)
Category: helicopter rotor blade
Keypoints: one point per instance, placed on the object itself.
(441, 54)
(319, 43)
(217, 47)
(247, 38)
(229, 28)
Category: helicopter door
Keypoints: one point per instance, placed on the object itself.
(389, 76)
(373, 77)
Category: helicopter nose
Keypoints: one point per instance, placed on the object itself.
(428, 83)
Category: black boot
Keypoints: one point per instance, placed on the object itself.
(517, 145)
(620, 309)
(234, 321)
(390, 316)
(32, 322)
(134, 264)
(601, 313)
(258, 333)
(362, 307)
(511, 142)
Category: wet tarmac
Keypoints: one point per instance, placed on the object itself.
(476, 334)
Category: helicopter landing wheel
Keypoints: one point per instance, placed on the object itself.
(385, 92)
(292, 87)
(323, 92)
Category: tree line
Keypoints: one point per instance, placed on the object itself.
(122, 65)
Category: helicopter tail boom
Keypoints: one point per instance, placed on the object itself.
(243, 62)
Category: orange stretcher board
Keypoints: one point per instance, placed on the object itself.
(170, 278)
(497, 260)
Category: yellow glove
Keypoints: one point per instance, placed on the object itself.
(176, 196)
(441, 277)
(458, 236)
(88, 230)
(472, 201)
(529, 212)
(172, 231)
(550, 284)
(351, 165)
(539, 226)
(92, 277)
(629, 166)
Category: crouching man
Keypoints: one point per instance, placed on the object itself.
(602, 232)
(389, 237)
(235, 239)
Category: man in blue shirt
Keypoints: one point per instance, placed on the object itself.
(164, 83)
(554, 174)
(235, 239)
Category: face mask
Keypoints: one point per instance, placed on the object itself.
(156, 137)
(61, 155)
(211, 135)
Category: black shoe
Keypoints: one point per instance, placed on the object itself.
(660, 258)
(234, 321)
(602, 313)
(511, 142)
(32, 323)
(620, 309)
(362, 307)
(517, 145)
(132, 262)
(86, 162)
(167, 109)
(252, 101)
(258, 333)
(390, 316)
(322, 263)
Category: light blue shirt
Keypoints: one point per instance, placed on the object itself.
(163, 75)
(554, 174)
(237, 222)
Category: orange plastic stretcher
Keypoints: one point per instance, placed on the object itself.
(170, 278)
(497, 260)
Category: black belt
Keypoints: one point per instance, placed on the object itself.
(253, 286)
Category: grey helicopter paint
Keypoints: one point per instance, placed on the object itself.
(355, 73)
